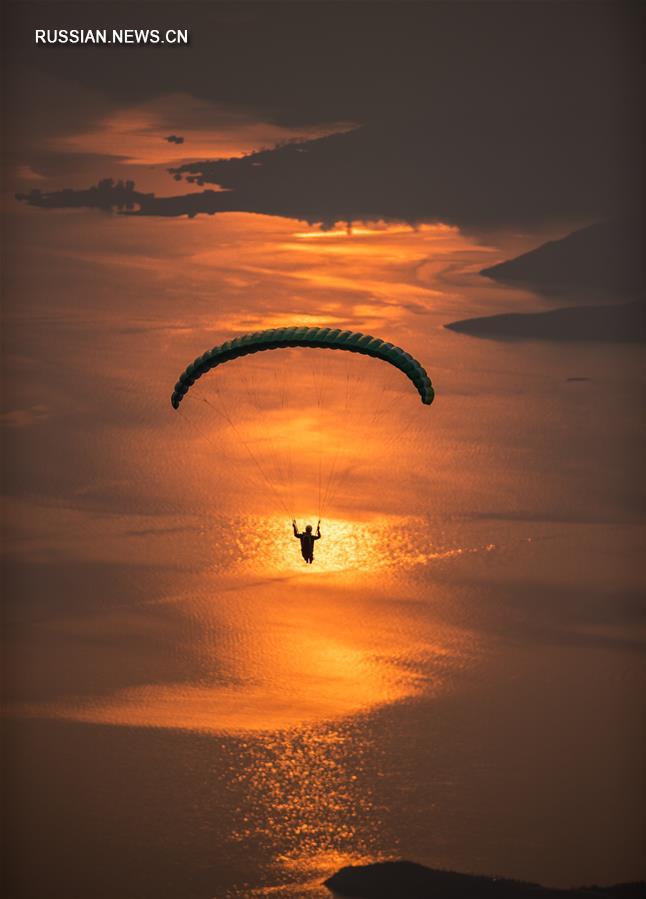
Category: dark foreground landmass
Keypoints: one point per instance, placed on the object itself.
(407, 880)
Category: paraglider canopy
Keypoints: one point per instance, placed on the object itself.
(308, 431)
(322, 338)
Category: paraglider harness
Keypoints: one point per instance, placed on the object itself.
(307, 539)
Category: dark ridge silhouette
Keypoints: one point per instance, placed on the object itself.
(208, 202)
(619, 324)
(174, 139)
(106, 195)
(473, 114)
(406, 171)
(608, 256)
(407, 880)
(123, 198)
(413, 171)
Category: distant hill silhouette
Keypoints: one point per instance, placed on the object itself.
(607, 256)
(407, 880)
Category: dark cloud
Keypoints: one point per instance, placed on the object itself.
(363, 61)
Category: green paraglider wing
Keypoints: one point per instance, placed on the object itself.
(320, 338)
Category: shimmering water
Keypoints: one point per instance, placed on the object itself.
(457, 679)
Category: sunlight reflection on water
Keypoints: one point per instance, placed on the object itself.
(352, 547)
(275, 643)
(313, 799)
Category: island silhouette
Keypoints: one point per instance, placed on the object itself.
(408, 880)
(603, 261)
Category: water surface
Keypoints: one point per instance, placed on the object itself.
(457, 678)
